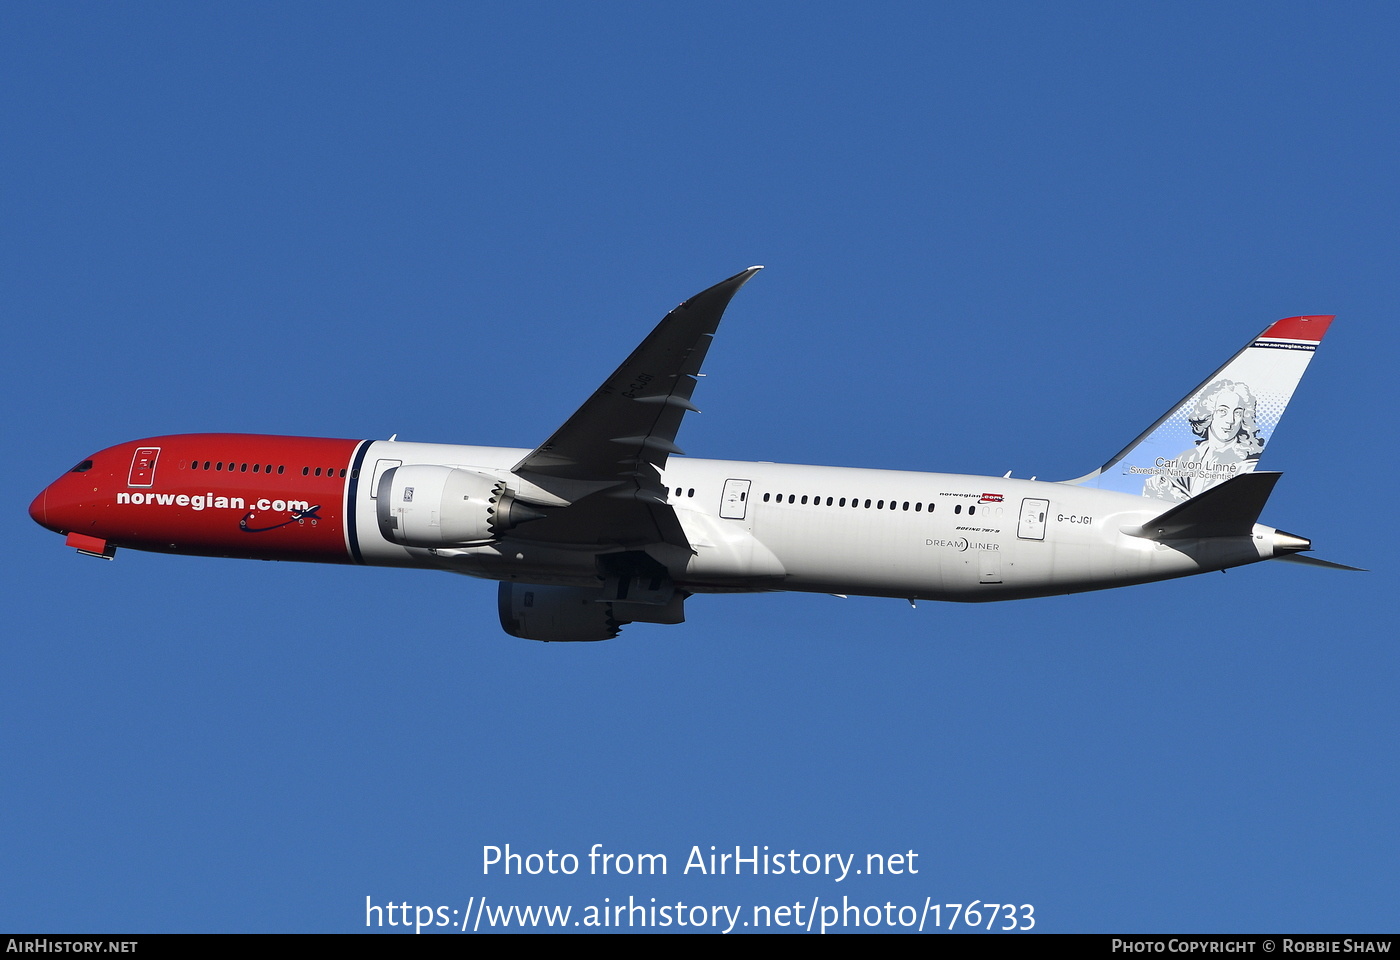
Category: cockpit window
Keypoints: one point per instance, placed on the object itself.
(83, 467)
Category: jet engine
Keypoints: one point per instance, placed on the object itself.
(533, 612)
(426, 505)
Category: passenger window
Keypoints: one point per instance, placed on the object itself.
(957, 508)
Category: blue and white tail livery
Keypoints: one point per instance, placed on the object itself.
(1220, 429)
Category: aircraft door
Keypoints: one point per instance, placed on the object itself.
(143, 467)
(380, 468)
(734, 503)
(1032, 525)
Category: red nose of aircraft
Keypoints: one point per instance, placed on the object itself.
(37, 511)
(66, 504)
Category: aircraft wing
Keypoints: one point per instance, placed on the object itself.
(617, 443)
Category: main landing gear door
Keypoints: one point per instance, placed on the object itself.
(734, 503)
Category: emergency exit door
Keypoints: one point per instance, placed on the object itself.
(734, 503)
(1032, 524)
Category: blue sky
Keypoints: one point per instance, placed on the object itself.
(998, 238)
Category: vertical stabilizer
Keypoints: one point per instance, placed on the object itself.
(1220, 429)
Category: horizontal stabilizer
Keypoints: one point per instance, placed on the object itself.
(1315, 562)
(1229, 509)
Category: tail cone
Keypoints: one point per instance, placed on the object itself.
(1288, 543)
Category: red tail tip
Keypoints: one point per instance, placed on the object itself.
(1300, 328)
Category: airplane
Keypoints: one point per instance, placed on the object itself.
(606, 523)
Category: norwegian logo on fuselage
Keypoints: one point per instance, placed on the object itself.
(991, 498)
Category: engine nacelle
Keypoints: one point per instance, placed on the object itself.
(533, 612)
(427, 505)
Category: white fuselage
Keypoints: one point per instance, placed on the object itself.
(768, 526)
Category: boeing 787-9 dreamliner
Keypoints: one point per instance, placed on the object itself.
(606, 523)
